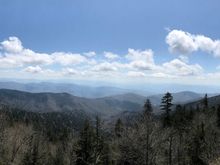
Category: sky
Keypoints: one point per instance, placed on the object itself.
(117, 41)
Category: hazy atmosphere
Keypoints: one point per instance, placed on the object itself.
(118, 82)
(114, 42)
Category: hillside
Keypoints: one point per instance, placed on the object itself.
(58, 102)
(213, 101)
(106, 106)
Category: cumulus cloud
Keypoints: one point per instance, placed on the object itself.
(105, 67)
(141, 60)
(181, 42)
(138, 55)
(12, 45)
(111, 56)
(14, 55)
(135, 63)
(90, 54)
(34, 69)
(180, 68)
(141, 65)
(68, 58)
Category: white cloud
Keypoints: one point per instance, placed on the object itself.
(134, 64)
(68, 58)
(181, 42)
(33, 69)
(14, 55)
(141, 60)
(141, 65)
(70, 71)
(135, 74)
(162, 75)
(90, 54)
(184, 58)
(104, 67)
(204, 43)
(12, 45)
(180, 68)
(111, 56)
(30, 57)
(138, 55)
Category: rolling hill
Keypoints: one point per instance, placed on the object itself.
(111, 105)
(59, 102)
(213, 101)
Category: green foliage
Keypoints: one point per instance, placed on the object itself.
(166, 104)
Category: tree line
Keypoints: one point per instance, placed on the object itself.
(179, 135)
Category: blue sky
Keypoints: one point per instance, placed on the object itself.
(139, 40)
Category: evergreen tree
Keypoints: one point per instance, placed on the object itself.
(166, 104)
(118, 128)
(99, 142)
(218, 116)
(86, 145)
(107, 159)
(197, 146)
(205, 102)
(147, 108)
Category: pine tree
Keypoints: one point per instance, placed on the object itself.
(205, 102)
(118, 128)
(86, 145)
(166, 104)
(197, 146)
(147, 108)
(218, 116)
(99, 142)
(107, 159)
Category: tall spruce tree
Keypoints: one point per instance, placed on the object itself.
(197, 146)
(147, 108)
(205, 102)
(118, 128)
(166, 104)
(218, 116)
(86, 145)
(99, 142)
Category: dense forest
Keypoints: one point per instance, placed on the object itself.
(179, 135)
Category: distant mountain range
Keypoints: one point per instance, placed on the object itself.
(106, 106)
(73, 89)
